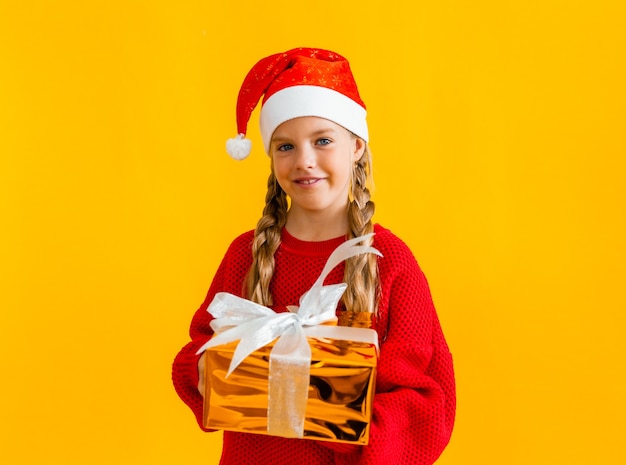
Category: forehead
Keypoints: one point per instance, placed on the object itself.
(307, 125)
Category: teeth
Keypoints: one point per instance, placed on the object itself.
(308, 181)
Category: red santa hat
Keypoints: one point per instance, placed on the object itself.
(300, 82)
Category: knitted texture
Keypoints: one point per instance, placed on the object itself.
(415, 400)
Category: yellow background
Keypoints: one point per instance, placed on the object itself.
(498, 131)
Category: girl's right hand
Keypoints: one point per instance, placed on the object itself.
(201, 374)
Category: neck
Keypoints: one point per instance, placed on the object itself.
(316, 227)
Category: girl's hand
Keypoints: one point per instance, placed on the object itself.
(201, 374)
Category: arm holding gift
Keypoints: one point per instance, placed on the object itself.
(228, 278)
(415, 400)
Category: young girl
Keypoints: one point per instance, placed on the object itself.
(314, 130)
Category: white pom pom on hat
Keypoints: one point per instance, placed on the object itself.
(296, 83)
(239, 147)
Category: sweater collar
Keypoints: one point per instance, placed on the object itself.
(308, 248)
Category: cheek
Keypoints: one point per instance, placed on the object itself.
(346, 165)
(281, 171)
(278, 165)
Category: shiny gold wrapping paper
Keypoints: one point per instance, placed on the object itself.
(341, 390)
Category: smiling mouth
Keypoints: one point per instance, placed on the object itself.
(306, 182)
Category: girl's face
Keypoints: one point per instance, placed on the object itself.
(313, 160)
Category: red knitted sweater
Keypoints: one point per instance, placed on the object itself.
(414, 404)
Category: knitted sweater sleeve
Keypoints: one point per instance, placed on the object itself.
(227, 278)
(415, 400)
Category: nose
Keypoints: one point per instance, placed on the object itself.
(306, 158)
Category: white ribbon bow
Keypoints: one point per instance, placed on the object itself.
(255, 326)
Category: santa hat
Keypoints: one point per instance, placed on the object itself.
(300, 82)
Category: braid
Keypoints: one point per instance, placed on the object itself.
(265, 243)
(361, 272)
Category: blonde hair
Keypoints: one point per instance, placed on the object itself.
(361, 272)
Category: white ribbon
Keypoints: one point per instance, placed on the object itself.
(255, 326)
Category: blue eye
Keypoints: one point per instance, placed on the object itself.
(324, 141)
(285, 147)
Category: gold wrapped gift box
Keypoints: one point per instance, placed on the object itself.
(340, 394)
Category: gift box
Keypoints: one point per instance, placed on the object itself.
(339, 392)
(291, 374)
